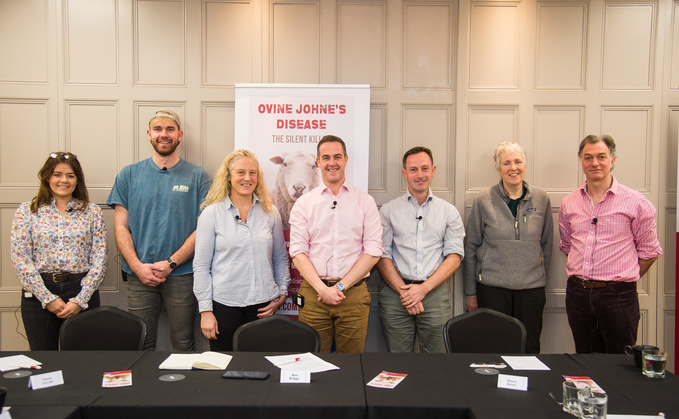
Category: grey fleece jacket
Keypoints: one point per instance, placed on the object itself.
(504, 251)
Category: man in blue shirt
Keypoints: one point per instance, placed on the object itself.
(157, 204)
(423, 247)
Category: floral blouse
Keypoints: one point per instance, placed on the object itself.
(47, 241)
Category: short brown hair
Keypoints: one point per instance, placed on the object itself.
(416, 150)
(593, 139)
(330, 139)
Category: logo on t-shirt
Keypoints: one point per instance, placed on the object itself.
(180, 188)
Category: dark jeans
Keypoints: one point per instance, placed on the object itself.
(42, 326)
(603, 319)
(229, 319)
(524, 305)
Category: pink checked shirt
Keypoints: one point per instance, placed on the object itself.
(610, 249)
(334, 239)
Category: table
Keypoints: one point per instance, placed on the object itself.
(444, 386)
(437, 386)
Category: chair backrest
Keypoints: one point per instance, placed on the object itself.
(485, 331)
(276, 333)
(103, 329)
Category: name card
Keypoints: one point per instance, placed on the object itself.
(49, 379)
(512, 382)
(295, 376)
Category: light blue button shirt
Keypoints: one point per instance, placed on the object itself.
(417, 238)
(239, 264)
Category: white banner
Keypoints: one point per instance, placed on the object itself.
(282, 125)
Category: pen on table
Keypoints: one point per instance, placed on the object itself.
(291, 362)
(499, 365)
(32, 367)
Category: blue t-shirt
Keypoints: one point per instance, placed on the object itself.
(163, 207)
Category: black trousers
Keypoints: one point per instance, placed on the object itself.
(229, 319)
(525, 305)
(42, 326)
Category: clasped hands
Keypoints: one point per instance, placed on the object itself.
(412, 296)
(153, 274)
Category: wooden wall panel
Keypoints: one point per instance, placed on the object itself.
(91, 41)
(160, 53)
(361, 43)
(218, 134)
(99, 159)
(494, 45)
(561, 46)
(377, 173)
(558, 132)
(23, 27)
(296, 42)
(487, 127)
(431, 126)
(24, 141)
(629, 43)
(630, 127)
(227, 43)
(428, 46)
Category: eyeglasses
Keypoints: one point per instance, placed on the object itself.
(64, 155)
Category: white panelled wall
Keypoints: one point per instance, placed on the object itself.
(456, 76)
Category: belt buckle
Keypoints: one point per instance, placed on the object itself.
(59, 275)
(587, 284)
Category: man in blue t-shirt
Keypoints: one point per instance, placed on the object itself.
(157, 204)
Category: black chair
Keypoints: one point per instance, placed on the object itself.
(103, 329)
(485, 331)
(276, 333)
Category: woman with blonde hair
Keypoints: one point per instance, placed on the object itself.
(59, 250)
(509, 245)
(241, 262)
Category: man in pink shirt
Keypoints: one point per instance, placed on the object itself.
(608, 232)
(335, 239)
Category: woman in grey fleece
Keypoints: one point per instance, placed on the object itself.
(509, 245)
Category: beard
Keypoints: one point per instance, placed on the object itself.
(165, 153)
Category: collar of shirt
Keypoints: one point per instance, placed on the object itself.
(74, 204)
(613, 189)
(323, 188)
(411, 198)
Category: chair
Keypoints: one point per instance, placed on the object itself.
(276, 333)
(103, 329)
(485, 331)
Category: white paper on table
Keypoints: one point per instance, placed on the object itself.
(14, 362)
(307, 361)
(609, 416)
(525, 363)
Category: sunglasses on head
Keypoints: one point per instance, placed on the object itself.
(64, 155)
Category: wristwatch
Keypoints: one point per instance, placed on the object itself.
(340, 287)
(172, 263)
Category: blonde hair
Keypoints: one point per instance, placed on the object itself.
(221, 184)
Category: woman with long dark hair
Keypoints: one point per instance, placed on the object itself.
(59, 251)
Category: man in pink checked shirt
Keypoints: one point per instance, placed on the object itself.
(608, 232)
(335, 239)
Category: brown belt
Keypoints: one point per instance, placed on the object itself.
(62, 276)
(333, 282)
(410, 282)
(593, 284)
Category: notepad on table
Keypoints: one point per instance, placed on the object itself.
(205, 361)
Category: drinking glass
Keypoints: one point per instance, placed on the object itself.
(654, 363)
(592, 405)
(570, 396)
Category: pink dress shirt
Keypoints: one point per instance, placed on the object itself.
(335, 231)
(609, 248)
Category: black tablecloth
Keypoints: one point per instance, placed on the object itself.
(437, 386)
(444, 386)
(205, 394)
